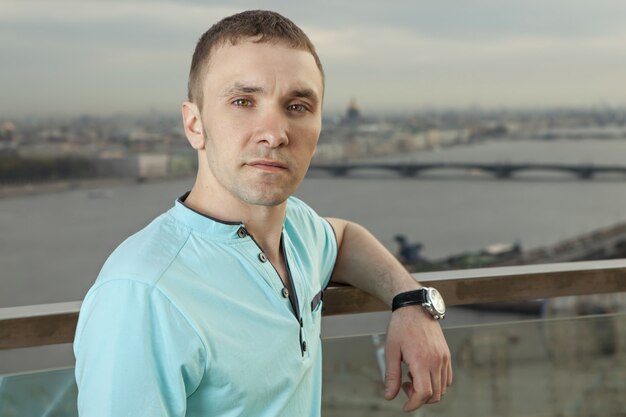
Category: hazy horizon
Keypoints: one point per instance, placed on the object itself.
(67, 58)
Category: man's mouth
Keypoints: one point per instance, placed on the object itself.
(268, 165)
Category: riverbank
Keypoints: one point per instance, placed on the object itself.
(19, 190)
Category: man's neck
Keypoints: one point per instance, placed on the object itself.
(264, 223)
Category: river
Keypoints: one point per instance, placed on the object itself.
(53, 244)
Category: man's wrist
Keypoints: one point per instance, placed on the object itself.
(408, 298)
(428, 298)
(405, 285)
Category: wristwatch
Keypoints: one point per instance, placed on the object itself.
(427, 297)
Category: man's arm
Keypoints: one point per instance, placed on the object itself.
(136, 355)
(413, 336)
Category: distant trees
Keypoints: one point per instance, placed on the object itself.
(14, 169)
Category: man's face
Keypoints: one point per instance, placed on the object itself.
(261, 120)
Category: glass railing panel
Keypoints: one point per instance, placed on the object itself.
(35, 359)
(556, 367)
(39, 394)
(549, 367)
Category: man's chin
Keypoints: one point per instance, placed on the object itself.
(263, 193)
(266, 200)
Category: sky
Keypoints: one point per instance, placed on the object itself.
(106, 57)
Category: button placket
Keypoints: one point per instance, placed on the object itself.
(265, 265)
(289, 297)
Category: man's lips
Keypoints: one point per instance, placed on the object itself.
(268, 165)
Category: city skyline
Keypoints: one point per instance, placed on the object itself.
(91, 57)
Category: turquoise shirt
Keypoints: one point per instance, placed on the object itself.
(189, 318)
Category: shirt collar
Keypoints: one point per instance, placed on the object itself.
(201, 222)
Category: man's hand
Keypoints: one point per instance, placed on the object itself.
(415, 338)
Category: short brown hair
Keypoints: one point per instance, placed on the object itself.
(263, 25)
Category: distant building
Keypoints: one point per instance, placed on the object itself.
(8, 145)
(7, 131)
(353, 114)
(140, 166)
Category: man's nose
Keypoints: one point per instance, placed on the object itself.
(273, 127)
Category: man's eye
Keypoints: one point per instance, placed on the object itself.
(297, 107)
(242, 102)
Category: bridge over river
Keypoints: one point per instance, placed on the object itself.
(498, 170)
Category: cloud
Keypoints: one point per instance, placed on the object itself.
(89, 55)
(389, 66)
(63, 12)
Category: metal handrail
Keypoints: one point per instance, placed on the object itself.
(56, 323)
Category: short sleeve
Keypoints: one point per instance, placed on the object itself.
(136, 354)
(315, 235)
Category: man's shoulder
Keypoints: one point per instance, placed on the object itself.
(146, 255)
(297, 208)
(303, 220)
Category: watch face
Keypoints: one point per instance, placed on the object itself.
(437, 301)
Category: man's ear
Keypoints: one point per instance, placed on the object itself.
(192, 123)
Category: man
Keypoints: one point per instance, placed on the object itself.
(214, 308)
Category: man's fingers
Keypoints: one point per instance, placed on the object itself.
(393, 371)
(421, 391)
(407, 387)
(437, 388)
(444, 378)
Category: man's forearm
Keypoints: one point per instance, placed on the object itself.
(413, 336)
(363, 262)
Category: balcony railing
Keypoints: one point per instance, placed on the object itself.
(541, 367)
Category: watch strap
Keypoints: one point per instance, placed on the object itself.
(409, 298)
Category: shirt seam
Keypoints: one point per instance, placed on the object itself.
(335, 254)
(195, 330)
(154, 286)
(193, 327)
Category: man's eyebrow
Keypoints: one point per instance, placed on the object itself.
(239, 88)
(305, 93)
